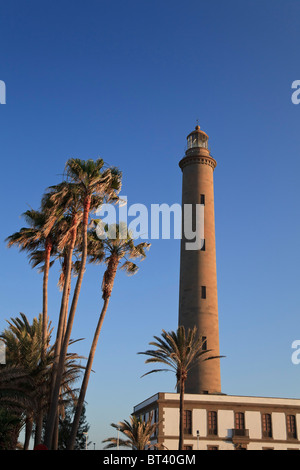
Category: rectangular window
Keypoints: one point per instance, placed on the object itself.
(187, 422)
(267, 425)
(240, 421)
(291, 426)
(203, 292)
(202, 199)
(204, 343)
(187, 447)
(212, 423)
(212, 448)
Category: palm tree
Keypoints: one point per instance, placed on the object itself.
(13, 391)
(111, 251)
(179, 351)
(10, 425)
(64, 197)
(25, 345)
(137, 432)
(92, 184)
(33, 240)
(25, 381)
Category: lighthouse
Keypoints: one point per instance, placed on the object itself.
(198, 297)
(213, 420)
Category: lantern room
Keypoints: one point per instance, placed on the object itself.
(197, 139)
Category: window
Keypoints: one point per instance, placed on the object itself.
(187, 447)
(239, 421)
(202, 199)
(204, 343)
(291, 427)
(267, 425)
(212, 423)
(187, 422)
(212, 448)
(203, 292)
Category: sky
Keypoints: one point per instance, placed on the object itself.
(126, 81)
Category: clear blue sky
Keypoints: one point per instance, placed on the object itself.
(126, 80)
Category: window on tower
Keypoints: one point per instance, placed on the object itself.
(202, 199)
(203, 292)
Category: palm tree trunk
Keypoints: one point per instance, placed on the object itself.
(85, 381)
(181, 415)
(108, 282)
(55, 434)
(48, 249)
(38, 429)
(64, 304)
(60, 369)
(28, 431)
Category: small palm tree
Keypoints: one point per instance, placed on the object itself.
(25, 345)
(137, 432)
(25, 380)
(180, 351)
(110, 251)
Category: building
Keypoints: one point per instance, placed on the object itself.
(213, 420)
(222, 422)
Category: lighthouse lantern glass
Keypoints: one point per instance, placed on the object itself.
(197, 140)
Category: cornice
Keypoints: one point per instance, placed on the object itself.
(197, 159)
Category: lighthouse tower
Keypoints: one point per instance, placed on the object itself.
(198, 299)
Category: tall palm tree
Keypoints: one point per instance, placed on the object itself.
(179, 351)
(46, 233)
(64, 198)
(93, 184)
(137, 432)
(111, 251)
(33, 240)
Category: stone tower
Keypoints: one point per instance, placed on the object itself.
(198, 299)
